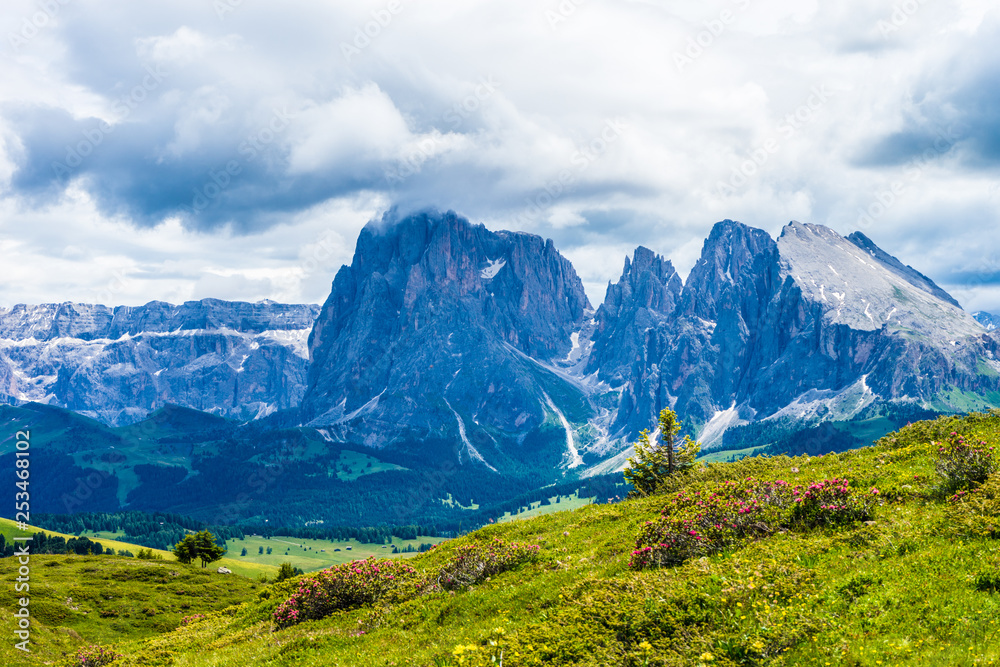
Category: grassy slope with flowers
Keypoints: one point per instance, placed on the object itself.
(914, 584)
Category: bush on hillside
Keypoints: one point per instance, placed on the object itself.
(94, 656)
(963, 464)
(831, 502)
(719, 517)
(342, 587)
(288, 571)
(473, 563)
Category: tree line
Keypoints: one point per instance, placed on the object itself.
(158, 530)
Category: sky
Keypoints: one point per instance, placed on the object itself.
(185, 149)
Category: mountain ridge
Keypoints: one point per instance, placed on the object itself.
(236, 359)
(448, 339)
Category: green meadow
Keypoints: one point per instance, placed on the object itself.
(915, 580)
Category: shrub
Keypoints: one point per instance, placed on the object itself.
(831, 502)
(701, 523)
(288, 571)
(988, 581)
(475, 562)
(342, 587)
(94, 656)
(963, 464)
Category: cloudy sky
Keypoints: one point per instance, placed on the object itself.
(183, 149)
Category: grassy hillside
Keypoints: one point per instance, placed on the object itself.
(912, 583)
(239, 566)
(312, 555)
(79, 600)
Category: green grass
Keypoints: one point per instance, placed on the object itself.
(722, 455)
(556, 504)
(310, 555)
(118, 536)
(246, 569)
(911, 587)
(351, 465)
(451, 502)
(108, 600)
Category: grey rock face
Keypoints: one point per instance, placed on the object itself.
(907, 272)
(812, 324)
(241, 360)
(646, 295)
(444, 329)
(989, 321)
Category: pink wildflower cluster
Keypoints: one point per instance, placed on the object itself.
(94, 656)
(346, 586)
(194, 618)
(831, 502)
(704, 522)
(475, 562)
(958, 496)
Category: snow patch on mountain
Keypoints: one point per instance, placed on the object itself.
(720, 422)
(492, 268)
(572, 457)
(470, 450)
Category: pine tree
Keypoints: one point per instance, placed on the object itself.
(208, 551)
(654, 462)
(199, 546)
(185, 550)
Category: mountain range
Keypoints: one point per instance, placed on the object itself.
(241, 360)
(467, 366)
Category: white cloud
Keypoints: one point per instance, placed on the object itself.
(479, 107)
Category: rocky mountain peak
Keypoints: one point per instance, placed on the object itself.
(736, 268)
(646, 294)
(865, 288)
(432, 324)
(989, 321)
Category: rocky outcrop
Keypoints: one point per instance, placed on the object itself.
(812, 324)
(241, 360)
(440, 329)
